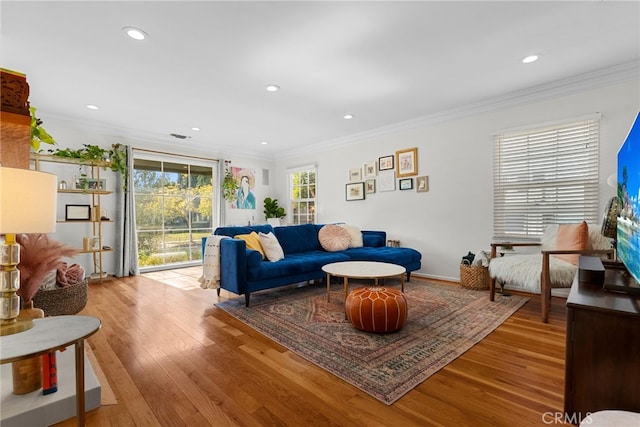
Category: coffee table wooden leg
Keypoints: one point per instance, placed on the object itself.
(346, 291)
(402, 282)
(346, 288)
(328, 287)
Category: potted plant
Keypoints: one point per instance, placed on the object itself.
(38, 134)
(272, 212)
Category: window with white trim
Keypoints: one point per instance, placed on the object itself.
(545, 176)
(302, 195)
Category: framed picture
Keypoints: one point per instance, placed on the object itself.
(387, 181)
(370, 186)
(370, 169)
(354, 191)
(77, 212)
(422, 184)
(406, 184)
(407, 162)
(385, 163)
(91, 184)
(355, 175)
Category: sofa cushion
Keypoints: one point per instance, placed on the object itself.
(295, 264)
(298, 238)
(373, 238)
(355, 234)
(334, 238)
(235, 230)
(252, 241)
(399, 256)
(572, 237)
(271, 247)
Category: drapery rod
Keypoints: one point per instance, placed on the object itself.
(164, 153)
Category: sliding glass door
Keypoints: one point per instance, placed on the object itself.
(174, 209)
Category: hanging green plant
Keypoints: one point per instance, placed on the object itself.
(229, 186)
(38, 134)
(114, 158)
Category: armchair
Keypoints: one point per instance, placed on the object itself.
(540, 271)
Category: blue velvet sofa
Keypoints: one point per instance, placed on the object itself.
(243, 270)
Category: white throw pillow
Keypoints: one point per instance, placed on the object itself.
(271, 247)
(356, 235)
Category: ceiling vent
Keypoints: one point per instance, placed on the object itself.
(177, 135)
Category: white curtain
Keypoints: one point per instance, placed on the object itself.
(129, 263)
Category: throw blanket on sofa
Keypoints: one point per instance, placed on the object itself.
(210, 278)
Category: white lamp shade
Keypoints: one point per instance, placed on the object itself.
(27, 201)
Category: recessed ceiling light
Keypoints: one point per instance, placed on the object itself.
(135, 33)
(263, 142)
(196, 129)
(92, 107)
(529, 59)
(273, 88)
(348, 116)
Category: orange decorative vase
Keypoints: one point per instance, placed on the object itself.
(27, 374)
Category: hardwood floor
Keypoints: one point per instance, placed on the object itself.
(174, 359)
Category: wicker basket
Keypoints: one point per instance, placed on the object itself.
(67, 300)
(474, 277)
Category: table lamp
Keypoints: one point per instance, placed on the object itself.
(27, 205)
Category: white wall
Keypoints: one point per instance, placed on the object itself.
(456, 214)
(74, 135)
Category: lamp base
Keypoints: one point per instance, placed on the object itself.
(20, 325)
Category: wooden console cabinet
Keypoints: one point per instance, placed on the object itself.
(602, 369)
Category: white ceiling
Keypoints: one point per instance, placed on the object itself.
(206, 63)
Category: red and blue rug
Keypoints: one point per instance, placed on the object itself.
(443, 322)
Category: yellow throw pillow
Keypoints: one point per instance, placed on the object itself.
(253, 242)
(572, 237)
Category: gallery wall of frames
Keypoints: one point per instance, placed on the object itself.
(388, 173)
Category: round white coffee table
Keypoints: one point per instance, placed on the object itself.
(362, 270)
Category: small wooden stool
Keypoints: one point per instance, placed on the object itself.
(376, 309)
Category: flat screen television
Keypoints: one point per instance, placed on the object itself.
(628, 225)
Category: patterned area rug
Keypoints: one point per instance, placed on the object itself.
(444, 321)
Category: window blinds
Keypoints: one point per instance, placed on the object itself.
(545, 176)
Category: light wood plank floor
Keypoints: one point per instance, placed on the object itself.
(174, 359)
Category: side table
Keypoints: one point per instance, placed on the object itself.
(53, 334)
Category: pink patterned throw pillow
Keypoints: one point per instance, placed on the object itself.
(334, 238)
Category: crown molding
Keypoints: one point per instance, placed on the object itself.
(161, 142)
(591, 80)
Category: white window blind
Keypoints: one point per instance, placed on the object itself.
(545, 176)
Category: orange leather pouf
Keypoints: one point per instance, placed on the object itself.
(376, 309)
